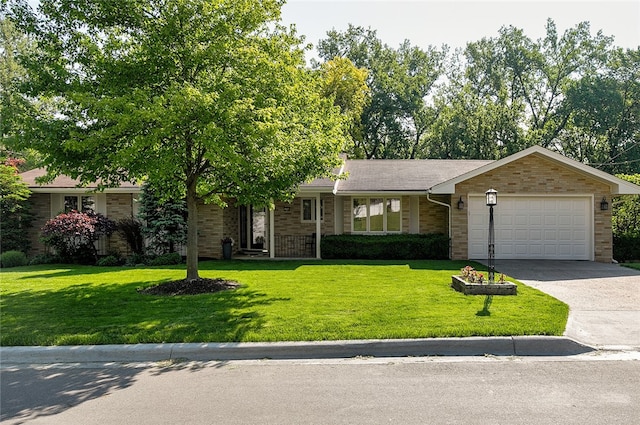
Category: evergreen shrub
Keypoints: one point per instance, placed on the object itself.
(430, 246)
(13, 259)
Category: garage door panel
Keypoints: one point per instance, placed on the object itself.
(531, 249)
(531, 235)
(506, 220)
(565, 220)
(565, 235)
(535, 219)
(533, 227)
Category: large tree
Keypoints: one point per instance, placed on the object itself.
(509, 92)
(206, 99)
(346, 84)
(12, 104)
(15, 215)
(400, 80)
(604, 129)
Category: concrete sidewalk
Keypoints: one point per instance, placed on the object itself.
(473, 346)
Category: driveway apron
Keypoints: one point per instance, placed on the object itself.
(603, 299)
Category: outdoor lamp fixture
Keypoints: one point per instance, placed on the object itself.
(461, 204)
(492, 200)
(492, 197)
(604, 205)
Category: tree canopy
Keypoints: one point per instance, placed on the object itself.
(574, 93)
(206, 99)
(396, 116)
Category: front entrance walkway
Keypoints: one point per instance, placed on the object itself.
(603, 299)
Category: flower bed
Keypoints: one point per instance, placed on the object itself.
(471, 282)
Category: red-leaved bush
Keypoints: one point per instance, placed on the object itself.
(73, 234)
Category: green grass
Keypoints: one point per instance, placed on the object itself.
(278, 301)
(632, 265)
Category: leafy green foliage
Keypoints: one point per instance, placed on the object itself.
(569, 92)
(386, 247)
(109, 261)
(396, 117)
(626, 223)
(347, 86)
(167, 259)
(12, 104)
(13, 259)
(626, 210)
(203, 98)
(15, 214)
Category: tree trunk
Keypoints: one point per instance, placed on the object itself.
(192, 231)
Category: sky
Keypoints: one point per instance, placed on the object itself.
(456, 22)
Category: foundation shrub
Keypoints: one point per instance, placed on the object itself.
(430, 246)
(13, 259)
(626, 247)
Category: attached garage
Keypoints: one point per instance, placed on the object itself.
(533, 227)
(549, 207)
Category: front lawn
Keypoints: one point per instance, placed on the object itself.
(632, 265)
(278, 301)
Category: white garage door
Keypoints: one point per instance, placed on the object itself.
(529, 227)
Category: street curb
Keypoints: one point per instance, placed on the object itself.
(472, 346)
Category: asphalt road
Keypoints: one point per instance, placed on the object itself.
(591, 388)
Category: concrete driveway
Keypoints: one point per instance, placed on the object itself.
(603, 299)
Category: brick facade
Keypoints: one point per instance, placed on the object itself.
(211, 230)
(41, 209)
(534, 175)
(434, 218)
(119, 206)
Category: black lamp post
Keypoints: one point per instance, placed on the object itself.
(492, 200)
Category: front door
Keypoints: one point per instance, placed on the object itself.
(253, 228)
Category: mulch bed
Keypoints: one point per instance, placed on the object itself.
(186, 287)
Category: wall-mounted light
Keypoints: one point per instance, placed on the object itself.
(604, 205)
(286, 208)
(460, 204)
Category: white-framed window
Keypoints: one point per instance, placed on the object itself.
(308, 209)
(80, 203)
(376, 215)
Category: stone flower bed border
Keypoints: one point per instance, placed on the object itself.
(471, 282)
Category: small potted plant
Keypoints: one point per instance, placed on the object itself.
(227, 244)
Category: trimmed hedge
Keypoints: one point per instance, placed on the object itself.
(13, 259)
(626, 248)
(432, 246)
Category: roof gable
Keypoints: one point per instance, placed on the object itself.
(618, 186)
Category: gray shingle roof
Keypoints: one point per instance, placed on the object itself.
(61, 182)
(410, 175)
(381, 175)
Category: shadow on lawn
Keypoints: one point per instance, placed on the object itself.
(90, 313)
